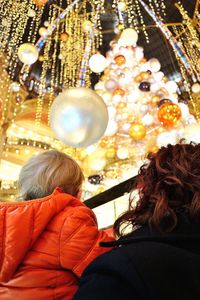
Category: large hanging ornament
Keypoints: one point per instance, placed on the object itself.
(97, 63)
(128, 37)
(169, 114)
(137, 132)
(28, 54)
(78, 117)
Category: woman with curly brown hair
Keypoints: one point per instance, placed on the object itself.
(160, 258)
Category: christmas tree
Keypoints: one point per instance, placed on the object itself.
(143, 105)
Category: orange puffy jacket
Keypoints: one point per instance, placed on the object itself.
(45, 245)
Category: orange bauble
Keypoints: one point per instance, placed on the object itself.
(120, 60)
(40, 3)
(64, 36)
(137, 132)
(119, 91)
(169, 114)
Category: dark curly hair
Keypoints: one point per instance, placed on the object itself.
(169, 185)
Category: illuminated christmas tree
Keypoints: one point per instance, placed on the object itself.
(144, 110)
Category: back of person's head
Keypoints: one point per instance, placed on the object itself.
(169, 186)
(44, 172)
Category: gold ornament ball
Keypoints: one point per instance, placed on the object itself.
(138, 78)
(121, 105)
(137, 132)
(153, 149)
(169, 114)
(155, 100)
(120, 60)
(41, 58)
(111, 153)
(144, 75)
(119, 91)
(64, 36)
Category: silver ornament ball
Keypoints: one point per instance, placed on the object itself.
(78, 117)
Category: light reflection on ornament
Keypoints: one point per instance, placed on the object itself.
(97, 63)
(28, 53)
(169, 114)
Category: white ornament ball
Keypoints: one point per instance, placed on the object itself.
(196, 88)
(107, 97)
(191, 133)
(168, 137)
(122, 153)
(154, 65)
(78, 117)
(190, 120)
(139, 53)
(15, 87)
(148, 120)
(28, 54)
(97, 63)
(99, 86)
(43, 31)
(184, 110)
(111, 85)
(112, 128)
(111, 112)
(171, 86)
(128, 37)
(158, 76)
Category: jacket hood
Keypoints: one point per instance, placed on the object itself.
(21, 223)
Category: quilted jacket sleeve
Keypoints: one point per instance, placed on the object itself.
(79, 240)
